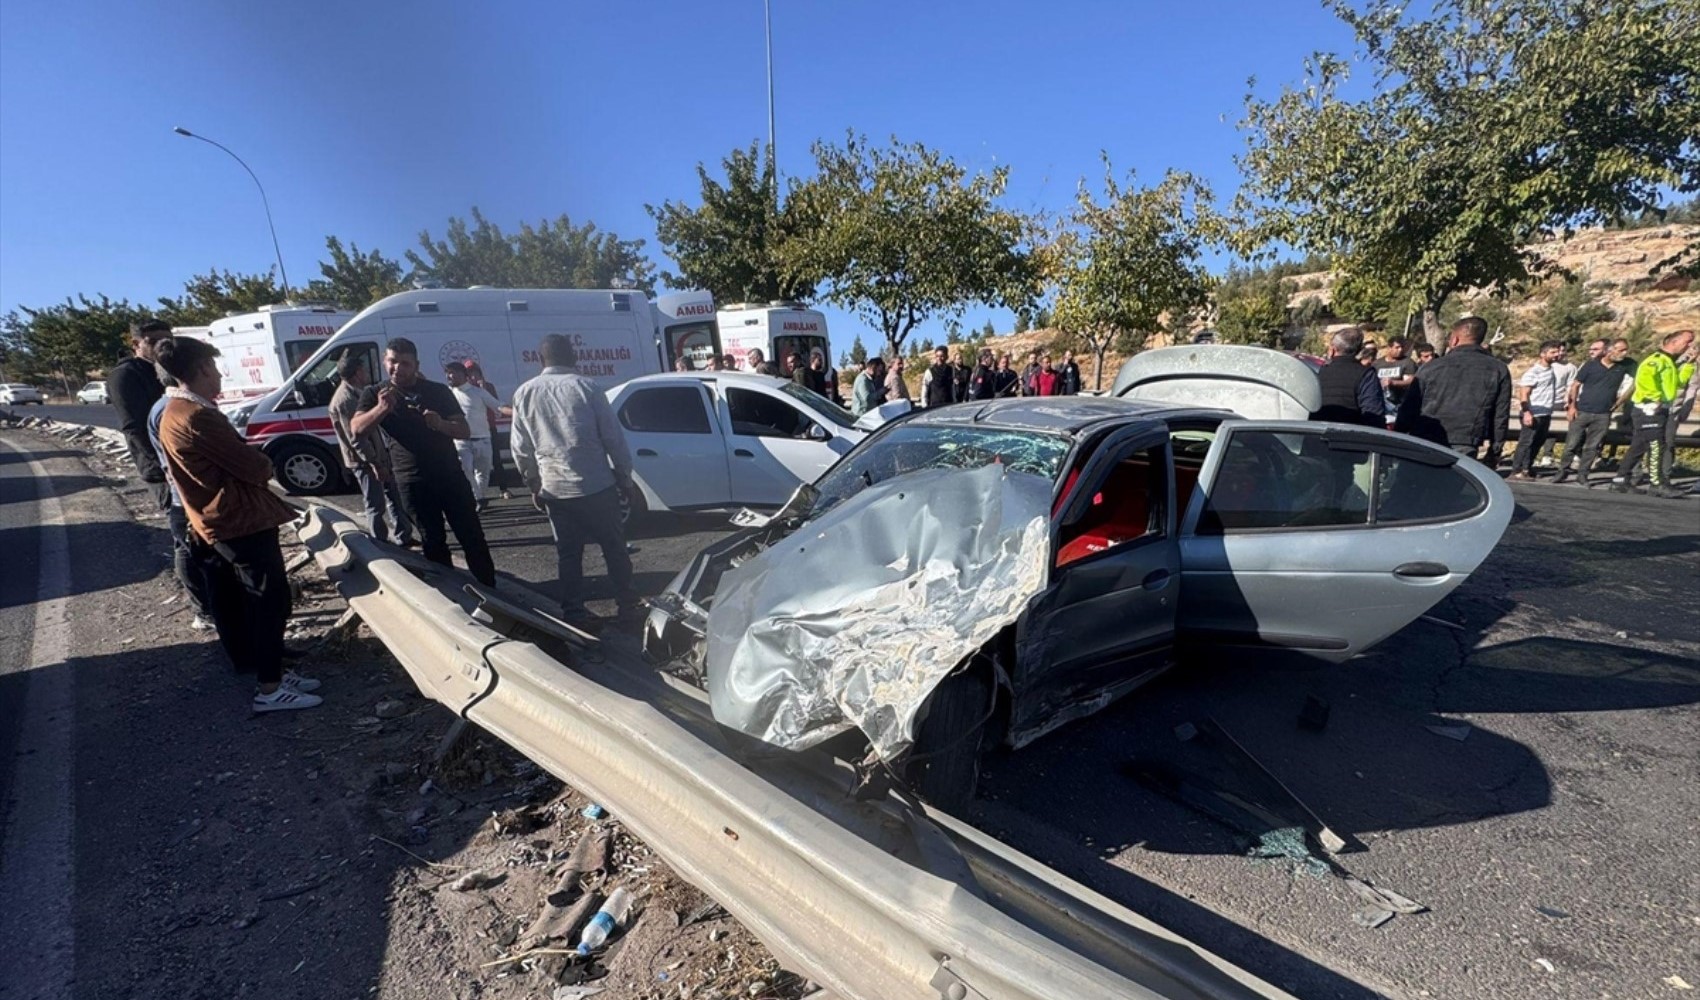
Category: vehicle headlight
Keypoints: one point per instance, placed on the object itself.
(240, 415)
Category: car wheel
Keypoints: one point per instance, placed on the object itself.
(306, 468)
(944, 765)
(631, 513)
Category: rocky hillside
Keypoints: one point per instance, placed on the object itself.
(1616, 265)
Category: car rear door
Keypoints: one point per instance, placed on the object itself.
(1327, 538)
(677, 449)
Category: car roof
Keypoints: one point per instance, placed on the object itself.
(704, 376)
(1057, 414)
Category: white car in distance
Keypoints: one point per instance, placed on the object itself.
(708, 440)
(94, 392)
(17, 394)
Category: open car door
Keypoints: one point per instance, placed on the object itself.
(1327, 538)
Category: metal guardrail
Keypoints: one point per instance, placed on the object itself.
(872, 901)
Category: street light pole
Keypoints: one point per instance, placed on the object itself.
(772, 142)
(282, 274)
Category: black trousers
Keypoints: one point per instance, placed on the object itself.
(1529, 442)
(184, 562)
(432, 500)
(250, 602)
(576, 521)
(1648, 439)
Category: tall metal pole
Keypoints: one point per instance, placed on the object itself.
(772, 141)
(282, 274)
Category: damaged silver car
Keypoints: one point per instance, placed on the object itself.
(983, 573)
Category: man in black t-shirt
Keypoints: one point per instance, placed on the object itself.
(422, 420)
(1589, 404)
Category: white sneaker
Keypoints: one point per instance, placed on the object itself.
(285, 699)
(299, 682)
(201, 624)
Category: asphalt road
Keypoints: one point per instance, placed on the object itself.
(156, 839)
(1553, 845)
(1559, 831)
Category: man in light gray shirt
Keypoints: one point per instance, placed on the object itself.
(575, 461)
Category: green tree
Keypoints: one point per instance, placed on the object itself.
(1360, 299)
(1489, 124)
(352, 279)
(1021, 321)
(217, 293)
(731, 243)
(70, 340)
(553, 254)
(902, 234)
(858, 355)
(1571, 312)
(988, 331)
(1251, 308)
(1640, 333)
(1123, 265)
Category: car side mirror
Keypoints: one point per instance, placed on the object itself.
(818, 433)
(298, 399)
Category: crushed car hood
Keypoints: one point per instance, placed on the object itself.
(859, 614)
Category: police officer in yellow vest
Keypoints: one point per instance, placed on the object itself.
(1659, 384)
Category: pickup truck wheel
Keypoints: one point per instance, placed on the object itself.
(944, 767)
(306, 468)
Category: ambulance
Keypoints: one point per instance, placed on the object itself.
(620, 335)
(257, 351)
(778, 329)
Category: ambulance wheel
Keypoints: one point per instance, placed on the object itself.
(306, 468)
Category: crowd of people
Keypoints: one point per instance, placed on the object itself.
(423, 452)
(1463, 398)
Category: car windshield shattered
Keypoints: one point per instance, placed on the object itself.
(913, 447)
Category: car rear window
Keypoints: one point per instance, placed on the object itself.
(669, 409)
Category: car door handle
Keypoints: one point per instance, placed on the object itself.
(1421, 569)
(1157, 579)
(743, 453)
(646, 453)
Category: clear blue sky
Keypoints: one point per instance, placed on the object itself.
(374, 120)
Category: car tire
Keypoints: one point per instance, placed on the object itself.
(944, 765)
(632, 514)
(306, 468)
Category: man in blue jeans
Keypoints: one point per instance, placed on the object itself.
(576, 463)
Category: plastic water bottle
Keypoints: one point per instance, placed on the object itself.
(607, 920)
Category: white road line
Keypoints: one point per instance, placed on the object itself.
(37, 934)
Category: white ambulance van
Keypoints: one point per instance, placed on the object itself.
(257, 351)
(777, 329)
(620, 335)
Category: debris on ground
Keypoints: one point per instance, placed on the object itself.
(1459, 733)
